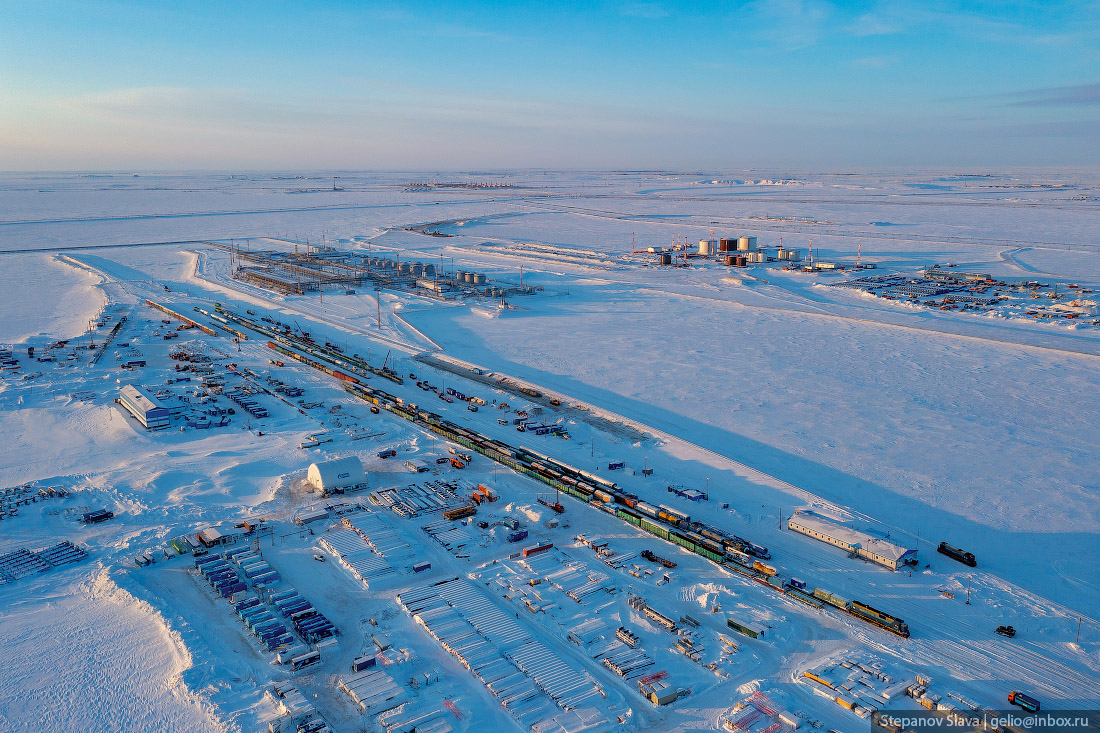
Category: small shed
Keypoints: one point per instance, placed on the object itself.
(333, 477)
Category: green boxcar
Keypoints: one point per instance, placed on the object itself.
(652, 528)
(682, 541)
(709, 554)
(628, 517)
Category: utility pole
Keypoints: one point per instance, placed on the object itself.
(378, 303)
(780, 518)
(1078, 642)
(968, 579)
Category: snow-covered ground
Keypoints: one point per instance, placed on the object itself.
(760, 386)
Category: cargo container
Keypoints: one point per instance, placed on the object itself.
(362, 663)
(253, 571)
(752, 630)
(300, 616)
(246, 603)
(269, 579)
(281, 595)
(290, 653)
(535, 549)
(421, 567)
(232, 588)
(832, 600)
(517, 536)
(305, 660)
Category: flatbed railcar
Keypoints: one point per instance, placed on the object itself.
(801, 595)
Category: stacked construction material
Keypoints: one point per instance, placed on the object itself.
(23, 562)
(531, 681)
(357, 556)
(373, 690)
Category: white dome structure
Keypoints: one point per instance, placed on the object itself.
(332, 477)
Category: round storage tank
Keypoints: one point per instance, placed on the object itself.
(405, 268)
(731, 261)
(746, 244)
(479, 279)
(727, 245)
(417, 269)
(460, 275)
(666, 259)
(781, 254)
(429, 270)
(706, 247)
(794, 255)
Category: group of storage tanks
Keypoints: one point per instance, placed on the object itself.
(420, 269)
(414, 269)
(742, 251)
(471, 278)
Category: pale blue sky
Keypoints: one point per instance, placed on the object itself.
(273, 85)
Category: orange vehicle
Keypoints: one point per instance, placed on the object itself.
(455, 463)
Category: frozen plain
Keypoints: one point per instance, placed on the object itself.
(944, 426)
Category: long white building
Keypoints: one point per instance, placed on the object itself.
(139, 404)
(862, 544)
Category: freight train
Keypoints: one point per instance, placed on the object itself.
(728, 550)
(332, 355)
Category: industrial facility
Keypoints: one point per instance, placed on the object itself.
(142, 406)
(859, 544)
(321, 269)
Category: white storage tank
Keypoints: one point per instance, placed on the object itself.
(707, 247)
(479, 279)
(794, 255)
(746, 244)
